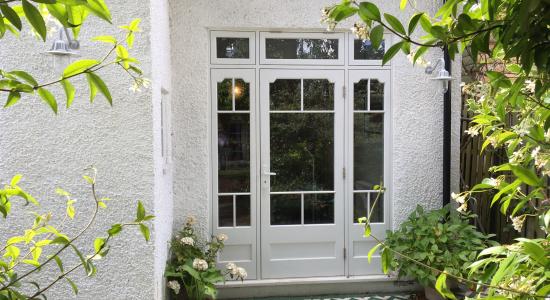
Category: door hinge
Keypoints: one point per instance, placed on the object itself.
(345, 253)
(344, 173)
(344, 92)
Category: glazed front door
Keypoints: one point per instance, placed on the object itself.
(301, 165)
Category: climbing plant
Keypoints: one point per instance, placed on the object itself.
(516, 33)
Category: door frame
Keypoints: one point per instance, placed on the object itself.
(347, 66)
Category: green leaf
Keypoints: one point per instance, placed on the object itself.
(98, 83)
(59, 263)
(15, 179)
(35, 18)
(98, 8)
(11, 15)
(441, 287)
(48, 97)
(403, 4)
(392, 51)
(419, 52)
(526, 175)
(414, 21)
(425, 23)
(368, 230)
(93, 87)
(369, 11)
(535, 251)
(372, 251)
(13, 97)
(73, 286)
(98, 244)
(79, 66)
(69, 91)
(395, 24)
(376, 36)
(145, 232)
(105, 39)
(140, 214)
(115, 229)
(25, 76)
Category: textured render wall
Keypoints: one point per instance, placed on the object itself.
(51, 151)
(417, 103)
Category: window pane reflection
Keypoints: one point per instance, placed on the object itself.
(242, 94)
(286, 209)
(361, 95)
(363, 50)
(242, 210)
(318, 208)
(228, 47)
(368, 148)
(285, 94)
(302, 151)
(225, 96)
(225, 211)
(376, 95)
(318, 94)
(233, 152)
(301, 48)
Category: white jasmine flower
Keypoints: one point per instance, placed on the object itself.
(463, 207)
(454, 195)
(221, 237)
(516, 157)
(472, 131)
(241, 273)
(492, 181)
(517, 222)
(174, 285)
(360, 31)
(188, 241)
(200, 264)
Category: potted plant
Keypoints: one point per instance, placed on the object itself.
(191, 271)
(430, 241)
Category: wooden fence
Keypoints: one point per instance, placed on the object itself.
(474, 166)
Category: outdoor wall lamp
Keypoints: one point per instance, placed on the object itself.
(442, 76)
(62, 49)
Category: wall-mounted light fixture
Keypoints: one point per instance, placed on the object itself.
(62, 49)
(442, 76)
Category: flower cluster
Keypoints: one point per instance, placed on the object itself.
(188, 241)
(236, 272)
(200, 264)
(361, 31)
(174, 285)
(326, 19)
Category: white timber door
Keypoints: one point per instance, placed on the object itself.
(301, 173)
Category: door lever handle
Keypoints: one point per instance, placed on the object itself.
(270, 173)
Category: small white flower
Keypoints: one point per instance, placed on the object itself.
(174, 285)
(360, 31)
(517, 222)
(191, 220)
(472, 131)
(230, 266)
(221, 237)
(463, 207)
(241, 273)
(200, 264)
(454, 195)
(492, 181)
(516, 157)
(188, 241)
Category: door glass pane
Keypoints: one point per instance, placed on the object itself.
(361, 95)
(360, 206)
(242, 94)
(225, 96)
(318, 94)
(363, 50)
(302, 151)
(228, 47)
(286, 209)
(285, 94)
(225, 211)
(242, 210)
(233, 152)
(318, 208)
(377, 215)
(376, 95)
(301, 48)
(368, 150)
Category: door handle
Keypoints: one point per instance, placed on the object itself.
(270, 173)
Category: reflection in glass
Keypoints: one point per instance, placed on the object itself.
(285, 94)
(242, 210)
(363, 50)
(225, 96)
(360, 206)
(376, 95)
(377, 215)
(301, 48)
(302, 151)
(242, 94)
(286, 209)
(233, 152)
(361, 95)
(368, 150)
(228, 47)
(318, 208)
(318, 94)
(225, 211)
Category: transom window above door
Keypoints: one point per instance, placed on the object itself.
(299, 140)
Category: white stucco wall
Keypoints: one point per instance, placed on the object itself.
(417, 103)
(51, 151)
